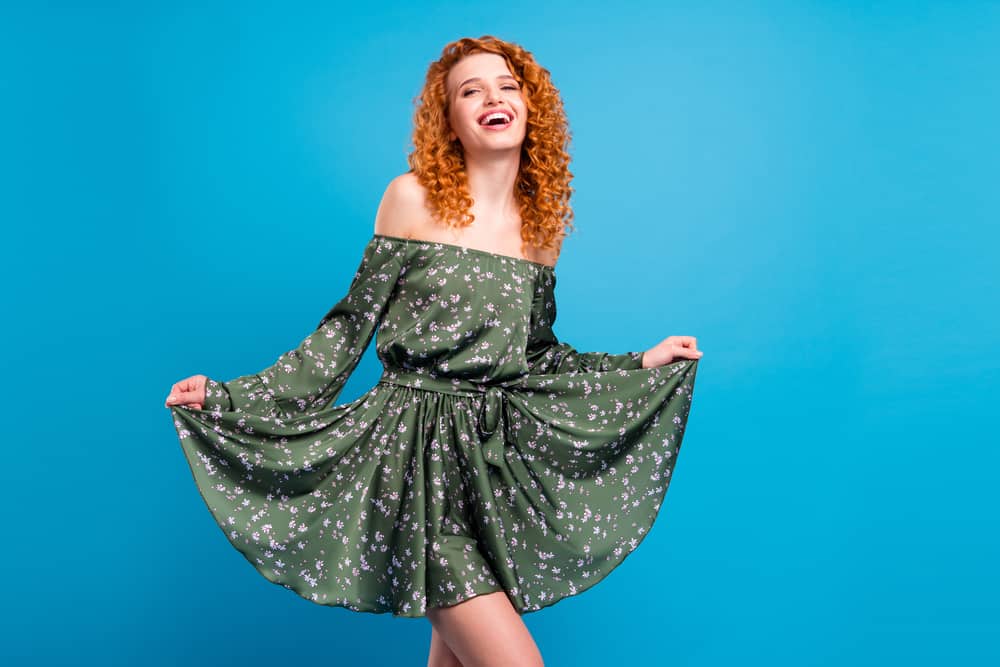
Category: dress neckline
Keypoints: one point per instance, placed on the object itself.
(462, 248)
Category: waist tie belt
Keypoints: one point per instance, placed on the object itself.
(490, 421)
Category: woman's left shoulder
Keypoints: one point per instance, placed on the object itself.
(547, 256)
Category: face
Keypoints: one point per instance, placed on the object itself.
(478, 85)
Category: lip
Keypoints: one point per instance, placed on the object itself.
(497, 128)
(509, 113)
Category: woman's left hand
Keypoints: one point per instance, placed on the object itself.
(670, 349)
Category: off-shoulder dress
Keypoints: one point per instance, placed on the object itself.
(489, 456)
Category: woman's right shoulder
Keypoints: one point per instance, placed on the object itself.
(402, 211)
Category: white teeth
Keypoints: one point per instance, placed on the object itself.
(495, 114)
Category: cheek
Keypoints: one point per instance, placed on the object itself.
(461, 115)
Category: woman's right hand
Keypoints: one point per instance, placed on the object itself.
(189, 391)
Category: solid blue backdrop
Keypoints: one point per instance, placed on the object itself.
(808, 188)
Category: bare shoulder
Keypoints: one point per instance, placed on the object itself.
(403, 210)
(546, 255)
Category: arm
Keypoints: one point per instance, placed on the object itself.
(311, 376)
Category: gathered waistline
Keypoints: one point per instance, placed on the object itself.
(492, 414)
(448, 385)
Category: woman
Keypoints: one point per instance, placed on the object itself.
(493, 470)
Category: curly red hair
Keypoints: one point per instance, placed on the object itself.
(543, 186)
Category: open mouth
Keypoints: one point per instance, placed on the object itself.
(496, 119)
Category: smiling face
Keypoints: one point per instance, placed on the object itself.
(480, 86)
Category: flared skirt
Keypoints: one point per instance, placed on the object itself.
(411, 497)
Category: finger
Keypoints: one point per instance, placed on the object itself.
(181, 397)
(686, 352)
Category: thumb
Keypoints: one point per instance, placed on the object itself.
(686, 353)
(180, 398)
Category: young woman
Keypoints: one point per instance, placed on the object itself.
(493, 470)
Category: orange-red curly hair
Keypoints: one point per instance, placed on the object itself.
(543, 186)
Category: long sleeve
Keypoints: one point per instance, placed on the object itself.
(312, 375)
(547, 355)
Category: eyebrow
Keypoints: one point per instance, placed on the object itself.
(476, 78)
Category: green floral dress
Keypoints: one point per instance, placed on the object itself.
(490, 456)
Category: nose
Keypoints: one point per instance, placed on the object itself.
(492, 95)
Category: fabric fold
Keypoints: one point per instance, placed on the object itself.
(488, 457)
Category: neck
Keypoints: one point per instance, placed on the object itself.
(491, 182)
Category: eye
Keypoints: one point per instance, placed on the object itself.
(509, 86)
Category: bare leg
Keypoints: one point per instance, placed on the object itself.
(486, 631)
(441, 655)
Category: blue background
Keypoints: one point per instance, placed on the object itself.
(809, 188)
